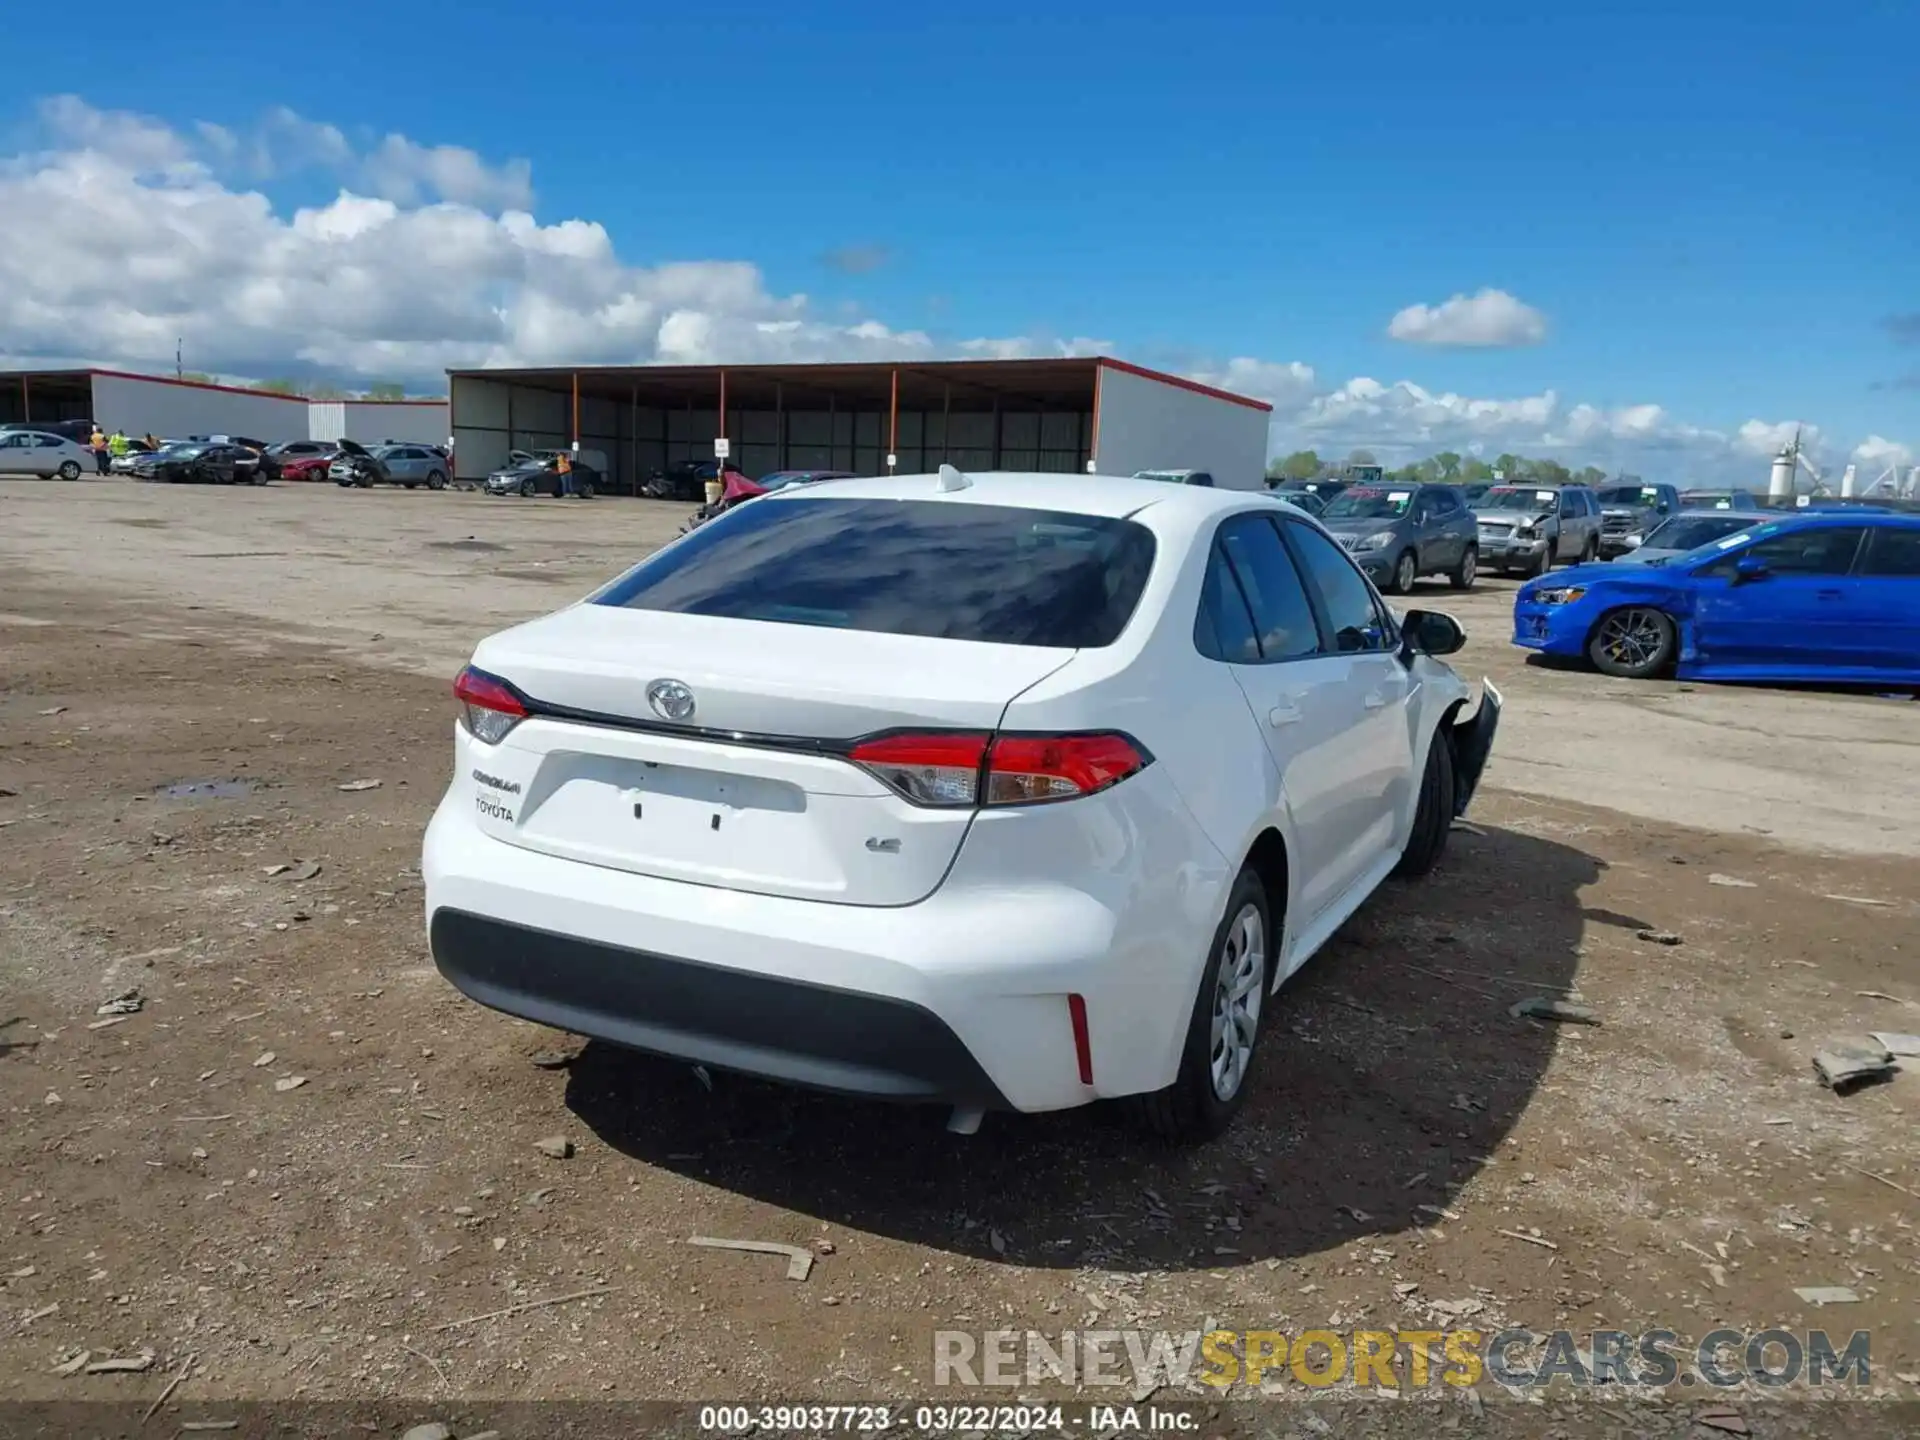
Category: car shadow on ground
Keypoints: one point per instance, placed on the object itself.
(1390, 1070)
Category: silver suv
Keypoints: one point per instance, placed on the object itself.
(1528, 527)
(1629, 510)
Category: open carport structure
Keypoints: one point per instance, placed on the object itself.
(1063, 415)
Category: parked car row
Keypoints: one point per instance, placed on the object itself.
(409, 466)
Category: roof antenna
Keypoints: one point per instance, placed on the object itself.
(951, 479)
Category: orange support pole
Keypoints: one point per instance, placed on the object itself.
(576, 409)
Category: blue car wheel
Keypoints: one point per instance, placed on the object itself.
(1635, 643)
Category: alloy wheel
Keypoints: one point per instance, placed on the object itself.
(1633, 637)
(1403, 574)
(1239, 988)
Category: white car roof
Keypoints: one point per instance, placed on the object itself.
(1109, 495)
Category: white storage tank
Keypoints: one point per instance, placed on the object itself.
(1780, 486)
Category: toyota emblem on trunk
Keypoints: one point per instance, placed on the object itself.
(670, 700)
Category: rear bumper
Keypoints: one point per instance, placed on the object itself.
(958, 999)
(804, 1034)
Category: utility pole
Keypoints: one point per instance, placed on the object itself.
(178, 369)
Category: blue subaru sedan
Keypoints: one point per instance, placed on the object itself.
(1829, 596)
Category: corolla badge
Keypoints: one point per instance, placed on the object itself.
(670, 700)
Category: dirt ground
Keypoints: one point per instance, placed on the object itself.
(193, 684)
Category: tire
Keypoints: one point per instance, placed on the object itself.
(344, 484)
(1540, 564)
(1192, 1109)
(1433, 814)
(436, 481)
(1467, 570)
(69, 470)
(1406, 570)
(528, 489)
(407, 485)
(584, 489)
(1590, 552)
(1635, 642)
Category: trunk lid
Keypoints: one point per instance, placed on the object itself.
(747, 791)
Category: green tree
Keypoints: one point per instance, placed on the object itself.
(1448, 465)
(1301, 465)
(197, 377)
(1592, 475)
(1361, 457)
(278, 387)
(386, 390)
(1511, 467)
(326, 392)
(1476, 472)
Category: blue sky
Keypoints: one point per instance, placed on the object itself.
(1715, 208)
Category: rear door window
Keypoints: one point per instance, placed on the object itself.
(999, 574)
(1224, 628)
(1892, 553)
(1282, 615)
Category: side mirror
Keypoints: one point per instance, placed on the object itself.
(1430, 632)
(1749, 568)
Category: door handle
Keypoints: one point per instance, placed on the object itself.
(1284, 714)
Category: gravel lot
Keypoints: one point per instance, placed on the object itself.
(189, 679)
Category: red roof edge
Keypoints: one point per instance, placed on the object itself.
(1185, 384)
(244, 390)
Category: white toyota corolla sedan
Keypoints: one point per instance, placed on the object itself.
(1001, 792)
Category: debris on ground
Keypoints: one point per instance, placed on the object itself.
(1848, 1064)
(289, 1082)
(129, 1002)
(799, 1262)
(1898, 1044)
(1659, 937)
(1540, 1007)
(701, 1073)
(1826, 1294)
(124, 1365)
(54, 710)
(74, 1363)
(554, 1059)
(1732, 882)
(305, 870)
(525, 1305)
(434, 1430)
(272, 870)
(557, 1147)
(356, 785)
(1857, 900)
(1724, 1420)
(265, 1059)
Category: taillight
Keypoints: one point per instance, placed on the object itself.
(1025, 768)
(488, 705)
(940, 769)
(958, 769)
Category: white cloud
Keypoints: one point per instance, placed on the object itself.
(403, 171)
(1491, 319)
(1876, 453)
(123, 234)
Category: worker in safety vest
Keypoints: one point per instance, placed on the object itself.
(564, 466)
(98, 444)
(118, 444)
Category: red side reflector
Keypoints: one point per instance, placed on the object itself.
(1082, 1045)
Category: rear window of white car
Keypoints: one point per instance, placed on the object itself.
(994, 573)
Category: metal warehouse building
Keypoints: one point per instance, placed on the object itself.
(1054, 415)
(174, 409)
